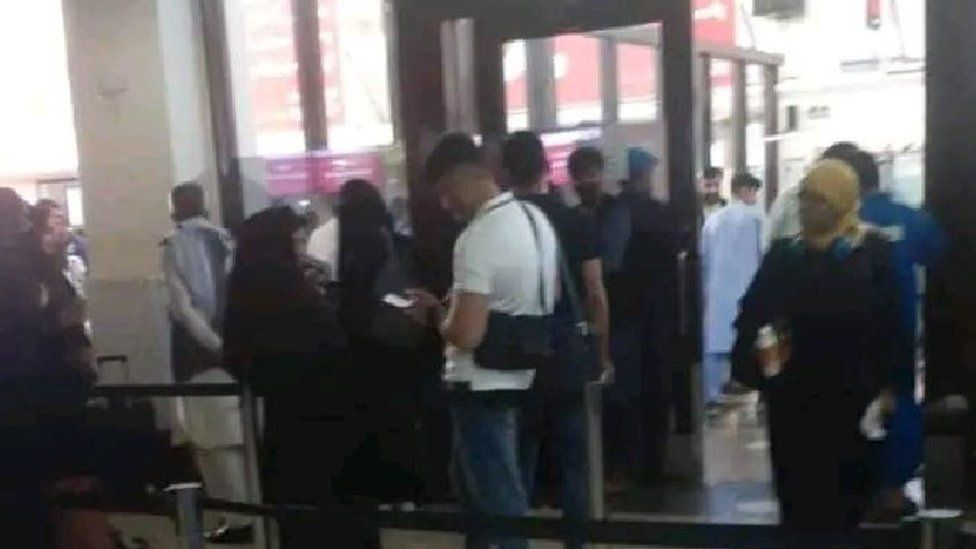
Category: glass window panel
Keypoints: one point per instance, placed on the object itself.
(722, 134)
(37, 135)
(515, 66)
(756, 124)
(355, 65)
(264, 70)
(637, 82)
(576, 67)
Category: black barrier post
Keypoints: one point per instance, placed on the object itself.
(189, 515)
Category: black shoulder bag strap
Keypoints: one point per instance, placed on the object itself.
(538, 253)
(575, 302)
(568, 284)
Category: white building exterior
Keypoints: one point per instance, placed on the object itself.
(847, 81)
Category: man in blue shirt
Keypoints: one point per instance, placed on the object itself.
(917, 241)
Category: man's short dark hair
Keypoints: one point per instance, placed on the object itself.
(453, 149)
(585, 160)
(863, 163)
(713, 172)
(841, 150)
(867, 171)
(188, 201)
(741, 180)
(524, 158)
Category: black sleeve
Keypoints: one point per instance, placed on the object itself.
(407, 257)
(587, 237)
(759, 306)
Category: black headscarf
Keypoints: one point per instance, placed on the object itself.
(365, 241)
(365, 227)
(266, 273)
(266, 292)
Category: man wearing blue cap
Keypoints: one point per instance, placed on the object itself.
(644, 296)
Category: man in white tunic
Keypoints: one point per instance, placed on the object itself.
(731, 249)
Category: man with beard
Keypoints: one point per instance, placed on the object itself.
(711, 191)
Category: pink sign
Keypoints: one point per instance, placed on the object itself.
(321, 172)
(559, 163)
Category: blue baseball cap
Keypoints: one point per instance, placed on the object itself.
(640, 161)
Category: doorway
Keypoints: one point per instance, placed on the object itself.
(608, 87)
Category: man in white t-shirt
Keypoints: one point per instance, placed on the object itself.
(504, 262)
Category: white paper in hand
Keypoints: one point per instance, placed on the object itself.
(872, 422)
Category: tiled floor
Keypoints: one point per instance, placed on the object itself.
(736, 480)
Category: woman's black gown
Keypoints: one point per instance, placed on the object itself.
(840, 307)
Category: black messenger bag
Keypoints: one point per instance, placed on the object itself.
(519, 342)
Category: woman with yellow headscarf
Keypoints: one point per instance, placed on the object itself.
(831, 294)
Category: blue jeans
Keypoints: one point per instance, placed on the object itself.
(560, 419)
(485, 465)
(715, 374)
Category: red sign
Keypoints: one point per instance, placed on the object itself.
(321, 172)
(715, 21)
(271, 66)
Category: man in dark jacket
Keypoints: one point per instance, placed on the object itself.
(646, 297)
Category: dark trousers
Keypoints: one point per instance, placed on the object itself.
(305, 459)
(656, 402)
(39, 449)
(636, 418)
(824, 470)
(559, 420)
(434, 444)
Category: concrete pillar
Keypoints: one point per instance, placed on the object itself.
(142, 121)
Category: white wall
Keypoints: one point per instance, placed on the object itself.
(142, 125)
(881, 109)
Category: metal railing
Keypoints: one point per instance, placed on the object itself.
(932, 529)
(185, 503)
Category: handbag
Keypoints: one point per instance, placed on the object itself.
(519, 342)
(576, 360)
